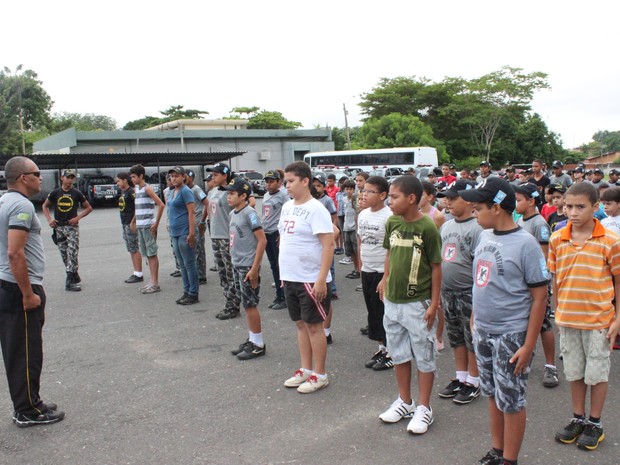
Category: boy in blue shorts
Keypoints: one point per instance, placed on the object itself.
(509, 298)
(247, 246)
(410, 293)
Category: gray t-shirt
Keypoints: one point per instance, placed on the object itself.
(563, 179)
(272, 208)
(199, 196)
(537, 227)
(17, 212)
(458, 244)
(219, 212)
(506, 265)
(243, 242)
(328, 203)
(349, 214)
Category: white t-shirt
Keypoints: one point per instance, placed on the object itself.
(300, 247)
(612, 223)
(371, 230)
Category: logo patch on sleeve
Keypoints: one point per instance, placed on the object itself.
(23, 216)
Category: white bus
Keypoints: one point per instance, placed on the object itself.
(400, 157)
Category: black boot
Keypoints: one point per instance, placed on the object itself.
(71, 285)
(76, 278)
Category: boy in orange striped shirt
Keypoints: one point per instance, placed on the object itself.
(584, 258)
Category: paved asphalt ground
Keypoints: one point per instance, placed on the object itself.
(145, 381)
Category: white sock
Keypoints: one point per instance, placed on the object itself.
(461, 376)
(307, 371)
(327, 331)
(474, 381)
(320, 376)
(257, 339)
(549, 366)
(382, 348)
(139, 274)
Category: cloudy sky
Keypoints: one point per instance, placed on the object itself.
(128, 59)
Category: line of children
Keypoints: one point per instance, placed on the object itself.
(349, 227)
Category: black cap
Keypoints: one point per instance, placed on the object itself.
(68, 172)
(177, 169)
(191, 174)
(494, 190)
(599, 171)
(557, 188)
(321, 178)
(579, 169)
(614, 171)
(485, 163)
(510, 169)
(589, 172)
(272, 174)
(209, 177)
(453, 191)
(557, 164)
(239, 185)
(530, 190)
(220, 168)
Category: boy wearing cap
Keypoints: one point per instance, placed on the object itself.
(557, 192)
(66, 201)
(584, 258)
(509, 298)
(614, 176)
(597, 176)
(410, 293)
(200, 203)
(306, 253)
(459, 238)
(528, 203)
(219, 219)
(146, 223)
(511, 176)
(558, 176)
(485, 171)
(247, 246)
(273, 200)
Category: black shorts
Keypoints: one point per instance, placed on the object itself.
(302, 305)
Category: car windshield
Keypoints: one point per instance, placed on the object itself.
(252, 175)
(101, 180)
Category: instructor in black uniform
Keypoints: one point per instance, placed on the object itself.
(22, 298)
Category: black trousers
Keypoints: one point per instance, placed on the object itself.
(273, 252)
(374, 305)
(22, 346)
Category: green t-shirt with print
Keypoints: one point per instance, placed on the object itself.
(413, 247)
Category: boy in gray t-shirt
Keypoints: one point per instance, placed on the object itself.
(509, 298)
(529, 201)
(247, 246)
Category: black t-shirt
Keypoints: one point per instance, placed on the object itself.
(541, 183)
(127, 205)
(554, 219)
(65, 203)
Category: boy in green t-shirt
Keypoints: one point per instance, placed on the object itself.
(410, 291)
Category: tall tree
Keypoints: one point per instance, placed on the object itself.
(263, 119)
(609, 140)
(81, 122)
(173, 113)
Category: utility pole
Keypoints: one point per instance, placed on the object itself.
(347, 133)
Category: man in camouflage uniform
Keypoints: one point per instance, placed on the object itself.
(66, 201)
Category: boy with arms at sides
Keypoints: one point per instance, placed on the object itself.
(306, 253)
(247, 246)
(370, 235)
(350, 228)
(509, 298)
(146, 222)
(529, 200)
(459, 238)
(557, 191)
(584, 258)
(611, 203)
(410, 292)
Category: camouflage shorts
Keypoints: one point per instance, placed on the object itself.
(249, 296)
(456, 307)
(546, 324)
(497, 378)
(586, 355)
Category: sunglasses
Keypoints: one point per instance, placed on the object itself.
(34, 173)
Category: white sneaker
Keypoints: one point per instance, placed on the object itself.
(422, 419)
(346, 261)
(397, 411)
(313, 383)
(298, 378)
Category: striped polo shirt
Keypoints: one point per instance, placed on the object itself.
(145, 208)
(583, 274)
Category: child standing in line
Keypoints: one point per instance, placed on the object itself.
(127, 207)
(581, 254)
(340, 213)
(459, 238)
(247, 246)
(528, 202)
(611, 202)
(410, 292)
(370, 236)
(509, 298)
(306, 253)
(350, 227)
(557, 191)
(548, 208)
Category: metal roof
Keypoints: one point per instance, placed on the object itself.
(113, 160)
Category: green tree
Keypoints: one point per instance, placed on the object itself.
(263, 119)
(173, 113)
(609, 140)
(81, 122)
(24, 106)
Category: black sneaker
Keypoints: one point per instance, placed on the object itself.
(571, 432)
(467, 394)
(385, 363)
(278, 305)
(451, 390)
(378, 355)
(49, 416)
(251, 351)
(364, 330)
(213, 268)
(227, 314)
(334, 296)
(73, 287)
(591, 437)
(202, 281)
(491, 459)
(241, 347)
(189, 299)
(329, 339)
(134, 279)
(178, 301)
(176, 274)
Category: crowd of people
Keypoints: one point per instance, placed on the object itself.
(491, 259)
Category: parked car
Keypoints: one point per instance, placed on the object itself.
(98, 189)
(256, 181)
(387, 173)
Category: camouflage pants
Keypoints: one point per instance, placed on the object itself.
(68, 238)
(221, 255)
(456, 307)
(201, 256)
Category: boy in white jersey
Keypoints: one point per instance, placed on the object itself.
(611, 203)
(306, 253)
(371, 232)
(529, 201)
